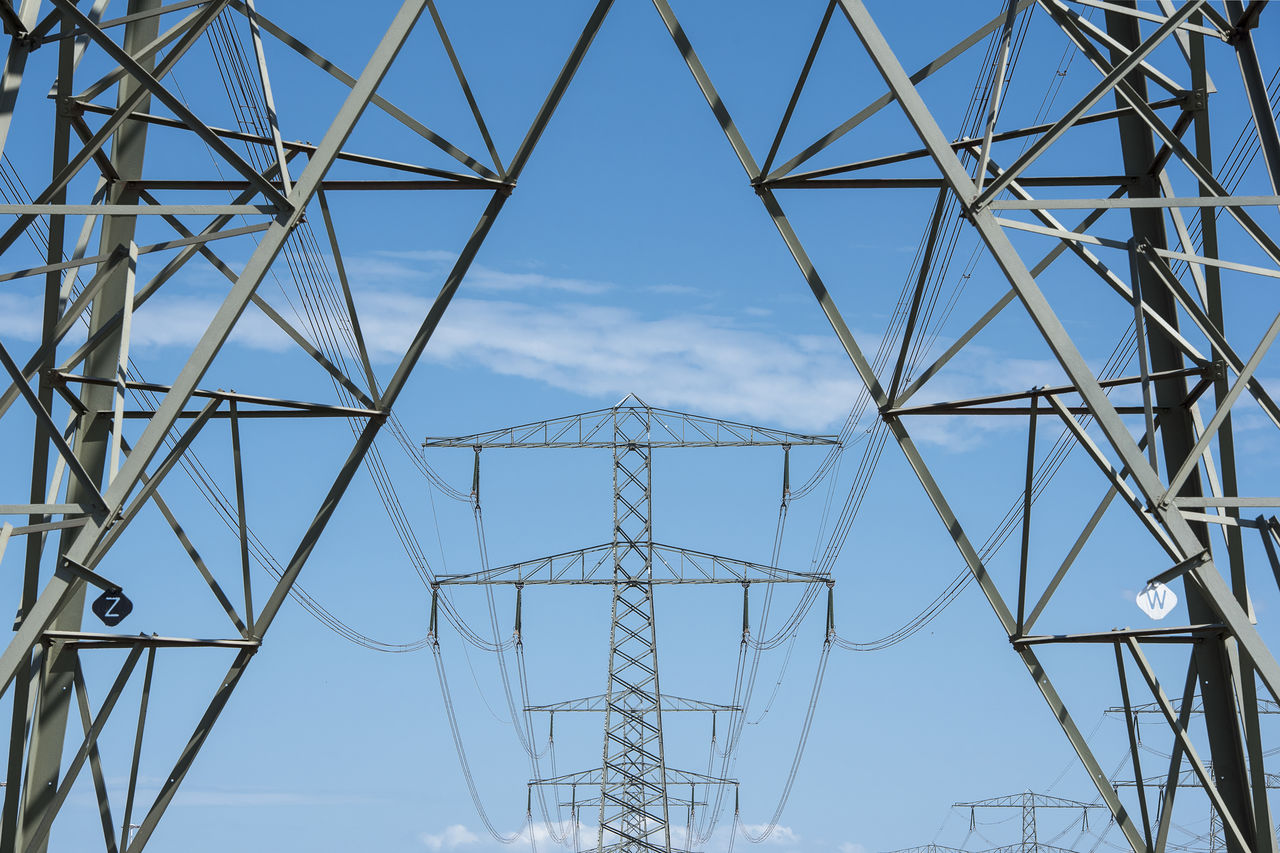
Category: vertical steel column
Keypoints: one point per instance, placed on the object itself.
(1178, 437)
(24, 683)
(44, 747)
(1265, 841)
(633, 790)
(1255, 87)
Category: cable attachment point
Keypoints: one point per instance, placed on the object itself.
(831, 612)
(519, 607)
(786, 474)
(435, 614)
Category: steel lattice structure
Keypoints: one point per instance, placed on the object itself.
(634, 777)
(1027, 803)
(1173, 468)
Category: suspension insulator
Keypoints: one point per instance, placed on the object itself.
(435, 611)
(786, 473)
(831, 610)
(519, 600)
(746, 612)
(475, 478)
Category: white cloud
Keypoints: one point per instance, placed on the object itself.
(409, 265)
(725, 366)
(453, 836)
(781, 835)
(689, 361)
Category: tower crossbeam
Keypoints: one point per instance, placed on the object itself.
(671, 564)
(597, 703)
(667, 428)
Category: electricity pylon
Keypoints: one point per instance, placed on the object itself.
(109, 235)
(634, 778)
(1027, 803)
(1166, 789)
(1160, 243)
(1172, 229)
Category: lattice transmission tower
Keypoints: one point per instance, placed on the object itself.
(1178, 242)
(635, 782)
(1027, 804)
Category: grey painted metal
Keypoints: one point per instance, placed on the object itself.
(65, 584)
(667, 429)
(670, 564)
(633, 784)
(1171, 514)
(39, 790)
(1180, 442)
(1026, 804)
(1264, 120)
(600, 703)
(634, 803)
(1056, 336)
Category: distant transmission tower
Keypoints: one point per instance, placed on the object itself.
(1167, 788)
(634, 777)
(1027, 802)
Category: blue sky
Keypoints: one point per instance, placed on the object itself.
(633, 257)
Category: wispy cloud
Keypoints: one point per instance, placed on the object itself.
(690, 361)
(725, 365)
(413, 264)
(452, 836)
(781, 835)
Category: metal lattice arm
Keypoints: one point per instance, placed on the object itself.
(1039, 801)
(673, 777)
(597, 703)
(666, 429)
(594, 565)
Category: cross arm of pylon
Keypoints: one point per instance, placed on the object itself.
(667, 428)
(673, 777)
(598, 703)
(1040, 801)
(1187, 779)
(594, 565)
